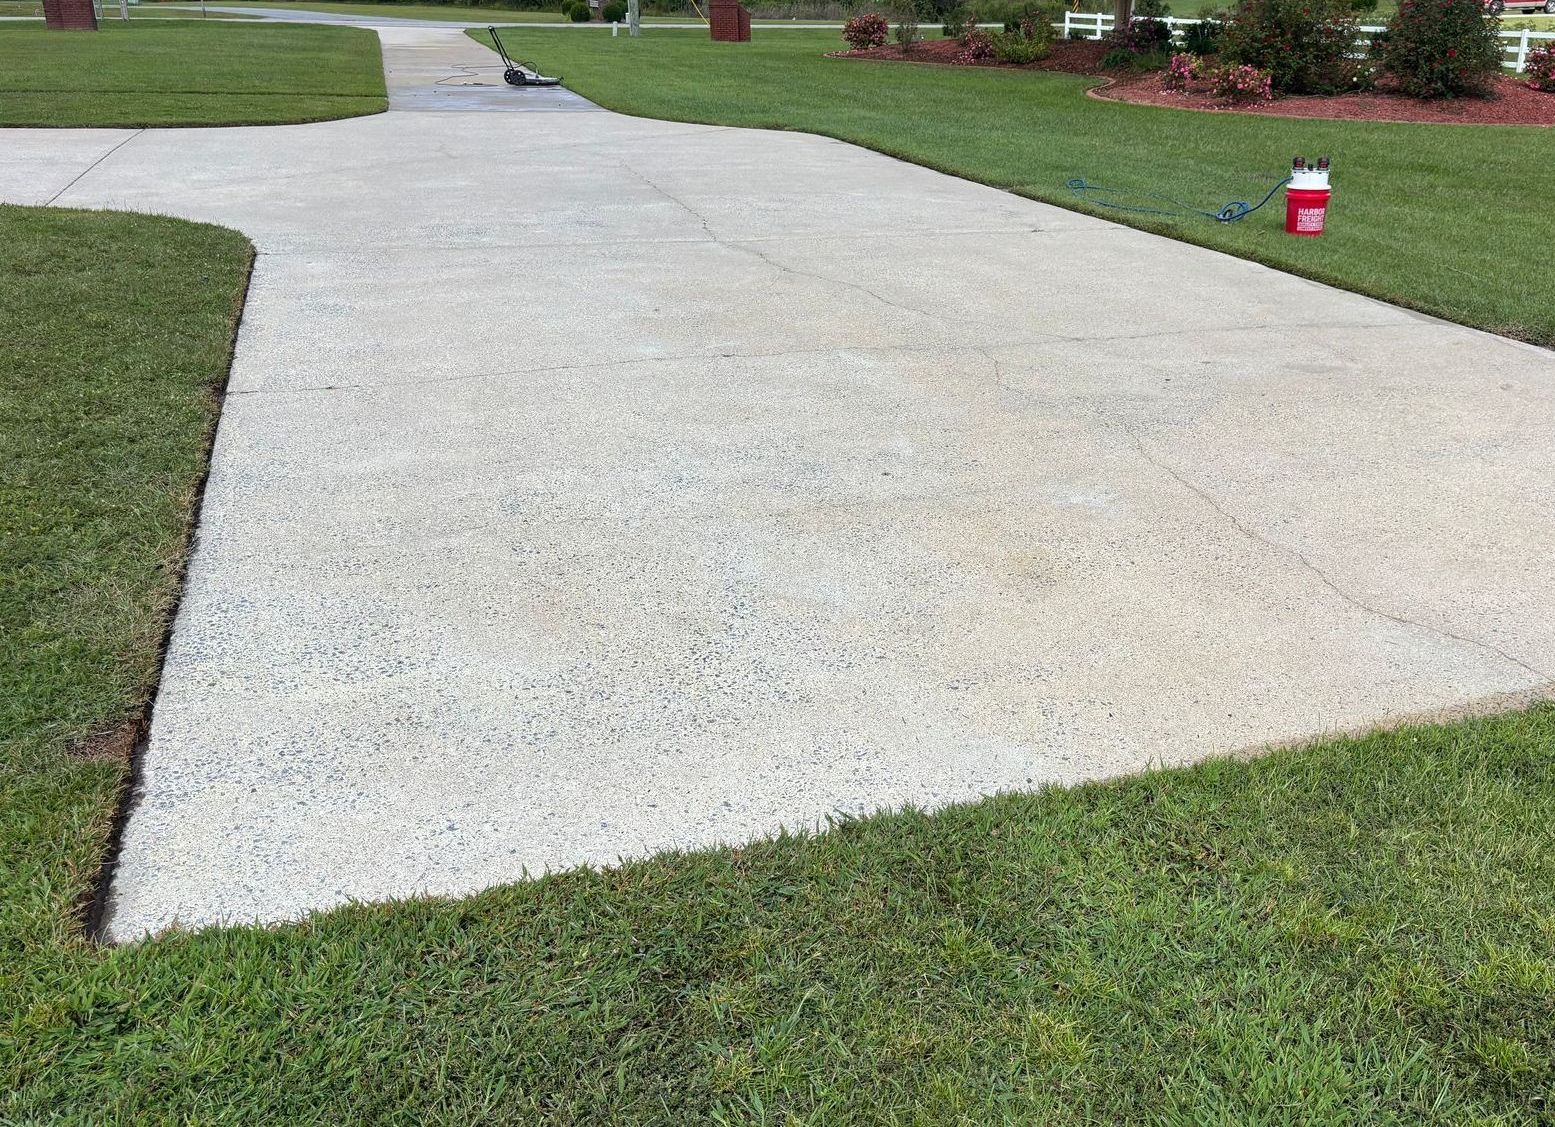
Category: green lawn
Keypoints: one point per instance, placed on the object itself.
(1407, 224)
(187, 72)
(1362, 931)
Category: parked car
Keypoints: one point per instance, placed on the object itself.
(1496, 7)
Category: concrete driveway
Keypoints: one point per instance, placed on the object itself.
(591, 485)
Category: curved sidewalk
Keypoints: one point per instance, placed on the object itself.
(591, 485)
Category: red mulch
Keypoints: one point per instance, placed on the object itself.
(1513, 102)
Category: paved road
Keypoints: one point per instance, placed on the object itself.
(591, 485)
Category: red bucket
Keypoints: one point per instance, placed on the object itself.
(1305, 210)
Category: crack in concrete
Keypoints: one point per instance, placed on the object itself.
(747, 247)
(998, 368)
(83, 173)
(1322, 576)
(630, 361)
(1206, 330)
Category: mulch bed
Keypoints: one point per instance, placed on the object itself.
(1513, 102)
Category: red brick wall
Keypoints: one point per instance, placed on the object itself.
(730, 22)
(69, 15)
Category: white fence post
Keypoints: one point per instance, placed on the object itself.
(1522, 52)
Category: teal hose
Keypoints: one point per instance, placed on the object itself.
(1236, 209)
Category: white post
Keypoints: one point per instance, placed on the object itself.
(124, 10)
(633, 18)
(1522, 51)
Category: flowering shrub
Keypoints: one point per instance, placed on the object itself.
(976, 46)
(1442, 48)
(1241, 83)
(1539, 68)
(868, 30)
(1181, 71)
(1304, 44)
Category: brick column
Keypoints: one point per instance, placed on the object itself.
(729, 21)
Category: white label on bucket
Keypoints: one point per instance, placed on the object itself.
(1309, 219)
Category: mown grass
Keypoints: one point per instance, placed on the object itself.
(1407, 223)
(115, 336)
(1361, 931)
(187, 72)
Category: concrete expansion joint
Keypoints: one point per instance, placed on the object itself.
(1545, 679)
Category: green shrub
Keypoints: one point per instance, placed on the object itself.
(1013, 13)
(614, 12)
(1442, 48)
(907, 33)
(1149, 60)
(578, 12)
(1203, 38)
(1304, 44)
(957, 20)
(1014, 47)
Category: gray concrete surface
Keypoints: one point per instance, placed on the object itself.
(591, 485)
(425, 68)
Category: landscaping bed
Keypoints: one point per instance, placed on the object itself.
(1513, 102)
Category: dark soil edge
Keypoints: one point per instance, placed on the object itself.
(93, 906)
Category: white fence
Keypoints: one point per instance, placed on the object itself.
(1094, 25)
